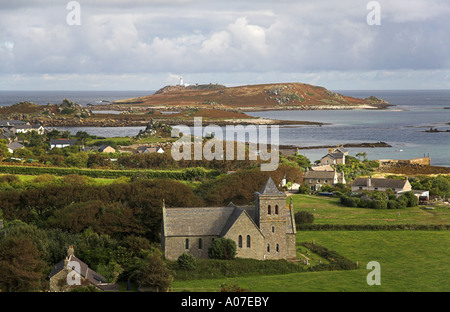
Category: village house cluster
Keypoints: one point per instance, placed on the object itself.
(9, 130)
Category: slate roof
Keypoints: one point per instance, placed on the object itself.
(342, 150)
(319, 175)
(380, 183)
(87, 273)
(335, 155)
(101, 148)
(270, 188)
(198, 221)
(15, 145)
(322, 168)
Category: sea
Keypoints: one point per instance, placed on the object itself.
(403, 125)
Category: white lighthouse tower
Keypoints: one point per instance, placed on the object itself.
(182, 82)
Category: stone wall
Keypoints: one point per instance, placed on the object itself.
(176, 246)
(244, 227)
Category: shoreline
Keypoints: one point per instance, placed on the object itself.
(112, 120)
(172, 122)
(348, 145)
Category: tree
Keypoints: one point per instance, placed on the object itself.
(111, 271)
(4, 152)
(362, 154)
(153, 274)
(78, 160)
(222, 249)
(20, 265)
(411, 199)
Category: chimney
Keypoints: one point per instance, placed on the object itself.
(70, 251)
(369, 181)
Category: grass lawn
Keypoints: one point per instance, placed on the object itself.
(328, 210)
(410, 261)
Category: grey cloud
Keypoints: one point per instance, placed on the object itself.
(207, 37)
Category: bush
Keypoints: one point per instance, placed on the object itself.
(393, 204)
(222, 249)
(410, 199)
(349, 201)
(379, 204)
(187, 262)
(304, 217)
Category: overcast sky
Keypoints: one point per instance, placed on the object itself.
(145, 45)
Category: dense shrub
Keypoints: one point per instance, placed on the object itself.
(185, 174)
(304, 217)
(393, 204)
(379, 204)
(212, 268)
(126, 208)
(337, 261)
(222, 249)
(240, 186)
(187, 262)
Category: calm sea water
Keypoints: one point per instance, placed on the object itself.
(402, 126)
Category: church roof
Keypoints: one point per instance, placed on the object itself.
(202, 221)
(270, 188)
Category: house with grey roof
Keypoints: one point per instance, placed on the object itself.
(318, 178)
(335, 156)
(148, 150)
(71, 273)
(101, 149)
(13, 146)
(333, 159)
(263, 231)
(381, 184)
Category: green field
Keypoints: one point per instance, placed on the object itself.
(329, 211)
(410, 261)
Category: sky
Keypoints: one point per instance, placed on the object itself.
(146, 45)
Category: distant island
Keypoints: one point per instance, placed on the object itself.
(280, 96)
(215, 103)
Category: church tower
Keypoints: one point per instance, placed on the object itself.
(275, 221)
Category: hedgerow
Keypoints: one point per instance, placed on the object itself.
(185, 174)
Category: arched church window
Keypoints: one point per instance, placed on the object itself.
(248, 241)
(240, 241)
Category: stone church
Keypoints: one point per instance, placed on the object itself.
(263, 231)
